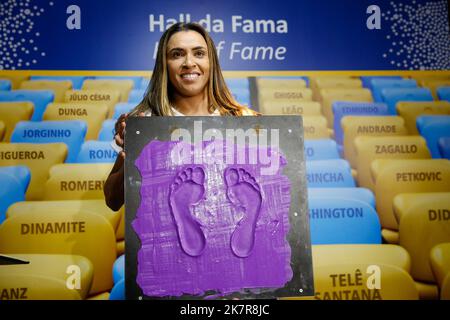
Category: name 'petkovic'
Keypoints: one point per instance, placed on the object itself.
(238, 23)
(240, 146)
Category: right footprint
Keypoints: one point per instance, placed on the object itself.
(243, 191)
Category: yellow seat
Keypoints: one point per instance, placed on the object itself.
(315, 81)
(354, 126)
(266, 83)
(424, 222)
(98, 96)
(13, 112)
(63, 268)
(427, 291)
(395, 147)
(123, 86)
(304, 108)
(16, 79)
(334, 83)
(334, 254)
(100, 296)
(330, 95)
(82, 233)
(445, 289)
(410, 110)
(120, 232)
(120, 247)
(284, 95)
(66, 206)
(2, 130)
(390, 236)
(440, 262)
(59, 88)
(80, 181)
(92, 114)
(354, 281)
(315, 127)
(39, 158)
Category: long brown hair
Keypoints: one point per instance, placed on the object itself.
(157, 97)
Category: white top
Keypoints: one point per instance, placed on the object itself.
(176, 113)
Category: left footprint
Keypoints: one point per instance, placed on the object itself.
(186, 190)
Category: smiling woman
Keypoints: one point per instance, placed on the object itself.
(187, 81)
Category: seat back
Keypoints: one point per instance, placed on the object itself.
(39, 98)
(94, 151)
(379, 84)
(412, 109)
(122, 86)
(315, 127)
(304, 108)
(13, 112)
(360, 194)
(77, 81)
(432, 128)
(102, 96)
(329, 174)
(391, 96)
(324, 149)
(58, 88)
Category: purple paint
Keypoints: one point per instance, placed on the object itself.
(212, 226)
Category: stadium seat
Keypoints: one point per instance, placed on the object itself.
(13, 112)
(324, 149)
(285, 94)
(120, 247)
(122, 86)
(5, 85)
(78, 181)
(444, 147)
(440, 262)
(435, 85)
(391, 96)
(58, 88)
(39, 98)
(392, 147)
(444, 93)
(242, 96)
(360, 194)
(37, 157)
(15, 181)
(92, 114)
(329, 174)
(332, 95)
(342, 220)
(120, 231)
(121, 108)
(58, 267)
(237, 83)
(63, 207)
(432, 128)
(315, 127)
(107, 131)
(377, 85)
(15, 79)
(110, 97)
(304, 108)
(354, 126)
(118, 291)
(77, 81)
(393, 177)
(342, 109)
(367, 80)
(445, 289)
(320, 83)
(424, 222)
(280, 82)
(94, 151)
(119, 269)
(100, 296)
(2, 130)
(71, 133)
(83, 233)
(412, 109)
(137, 81)
(135, 96)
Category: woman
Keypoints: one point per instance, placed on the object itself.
(186, 81)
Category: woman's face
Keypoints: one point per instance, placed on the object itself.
(188, 63)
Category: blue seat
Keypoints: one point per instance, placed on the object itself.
(77, 81)
(242, 96)
(118, 291)
(443, 93)
(432, 128)
(119, 269)
(94, 151)
(343, 221)
(237, 84)
(334, 173)
(40, 99)
(367, 80)
(14, 181)
(444, 147)
(137, 80)
(144, 84)
(360, 194)
(5, 85)
(121, 108)
(136, 96)
(107, 131)
(342, 109)
(380, 84)
(393, 95)
(323, 149)
(70, 132)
